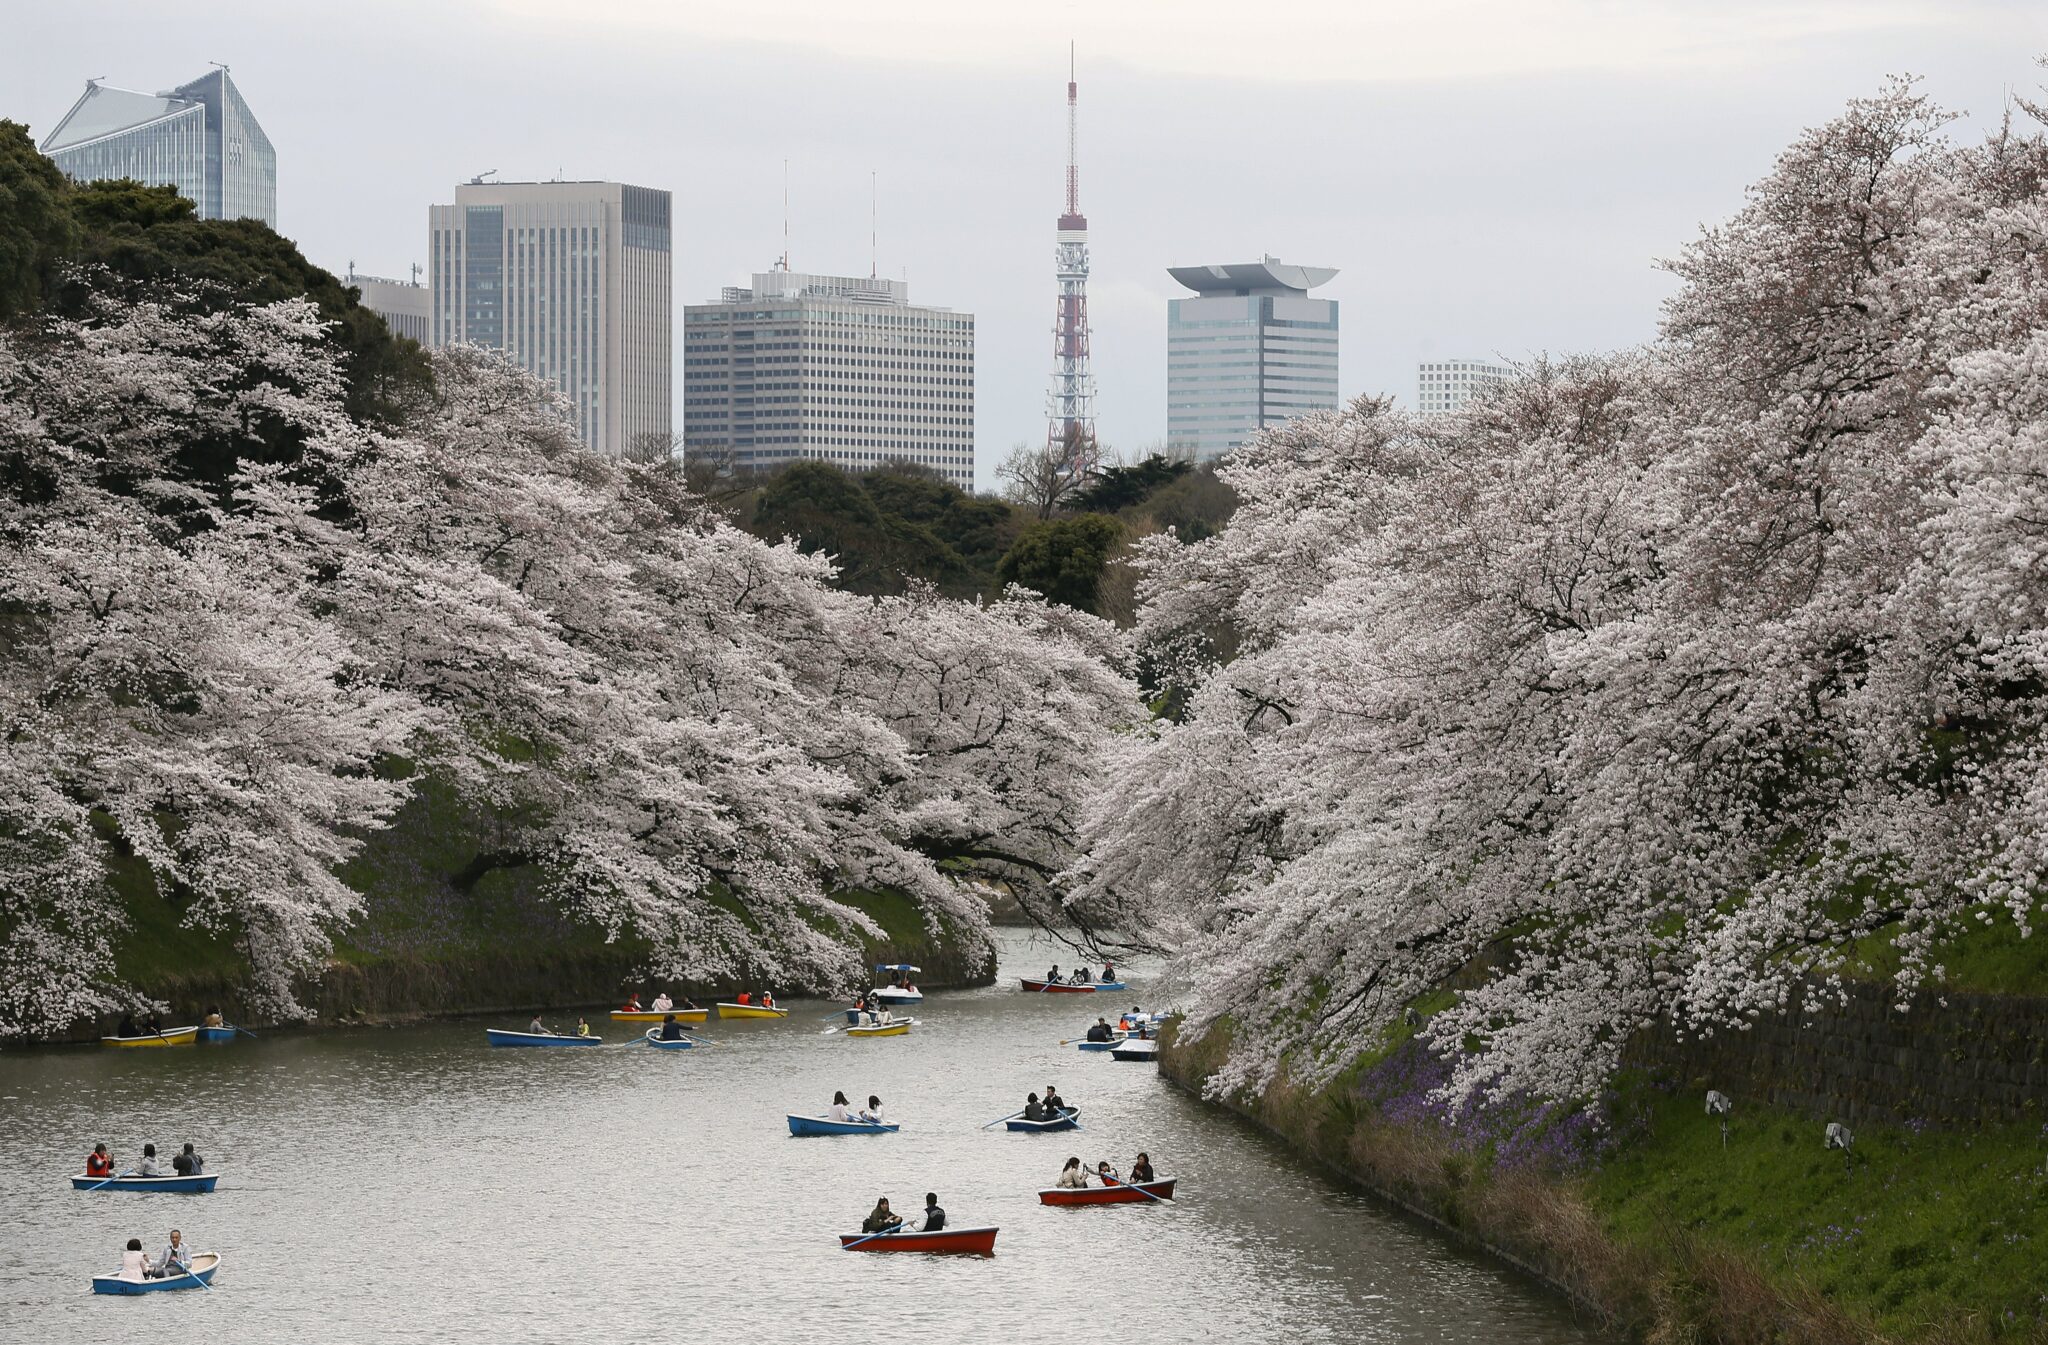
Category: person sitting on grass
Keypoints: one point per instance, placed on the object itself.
(880, 1220)
(1073, 1176)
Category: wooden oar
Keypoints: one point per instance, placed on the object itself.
(896, 1227)
(114, 1177)
(1000, 1119)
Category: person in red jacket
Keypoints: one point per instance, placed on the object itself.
(632, 1003)
(99, 1163)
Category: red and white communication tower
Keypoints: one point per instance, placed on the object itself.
(1070, 412)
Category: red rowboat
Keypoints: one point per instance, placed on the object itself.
(1121, 1194)
(974, 1241)
(1055, 987)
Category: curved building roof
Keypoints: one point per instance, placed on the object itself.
(1268, 276)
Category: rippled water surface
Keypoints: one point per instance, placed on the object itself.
(413, 1185)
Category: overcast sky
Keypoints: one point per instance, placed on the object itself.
(1493, 177)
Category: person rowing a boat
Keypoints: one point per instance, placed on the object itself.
(1054, 1103)
(188, 1164)
(213, 1018)
(177, 1258)
(671, 1030)
(934, 1217)
(839, 1110)
(662, 1003)
(99, 1163)
(538, 1028)
(1053, 977)
(767, 999)
(1101, 1031)
(1141, 1168)
(1073, 1175)
(1108, 970)
(873, 1111)
(881, 1219)
(744, 998)
(1105, 1174)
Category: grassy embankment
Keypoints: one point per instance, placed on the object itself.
(425, 946)
(1926, 1234)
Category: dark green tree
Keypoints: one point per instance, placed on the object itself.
(1063, 558)
(829, 510)
(37, 230)
(1114, 489)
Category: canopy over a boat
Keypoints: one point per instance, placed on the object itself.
(896, 966)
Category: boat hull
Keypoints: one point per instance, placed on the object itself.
(891, 995)
(749, 1011)
(1120, 1194)
(656, 1015)
(825, 1125)
(1068, 1119)
(184, 1185)
(203, 1267)
(175, 1036)
(899, 1028)
(1111, 1044)
(217, 1034)
(955, 1241)
(1111, 985)
(653, 1038)
(500, 1037)
(1135, 1051)
(1055, 987)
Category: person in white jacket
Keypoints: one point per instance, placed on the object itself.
(134, 1263)
(1073, 1175)
(838, 1111)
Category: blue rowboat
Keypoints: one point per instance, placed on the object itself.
(821, 1125)
(854, 1017)
(1115, 1040)
(677, 1044)
(500, 1037)
(218, 1033)
(203, 1266)
(190, 1185)
(1066, 1120)
(1111, 985)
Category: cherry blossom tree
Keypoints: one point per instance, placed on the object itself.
(1644, 691)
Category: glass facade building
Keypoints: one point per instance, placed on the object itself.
(844, 369)
(1252, 349)
(571, 280)
(200, 137)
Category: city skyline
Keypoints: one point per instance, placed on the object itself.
(1400, 177)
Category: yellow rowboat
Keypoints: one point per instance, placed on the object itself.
(170, 1036)
(656, 1015)
(749, 1011)
(901, 1027)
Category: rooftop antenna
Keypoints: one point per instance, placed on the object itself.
(95, 81)
(785, 216)
(478, 180)
(415, 274)
(874, 230)
(351, 268)
(222, 65)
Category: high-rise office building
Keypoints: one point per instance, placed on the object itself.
(200, 138)
(1444, 386)
(406, 307)
(1252, 349)
(839, 368)
(572, 281)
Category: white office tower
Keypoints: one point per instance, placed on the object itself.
(843, 369)
(406, 307)
(1251, 350)
(571, 280)
(1444, 386)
